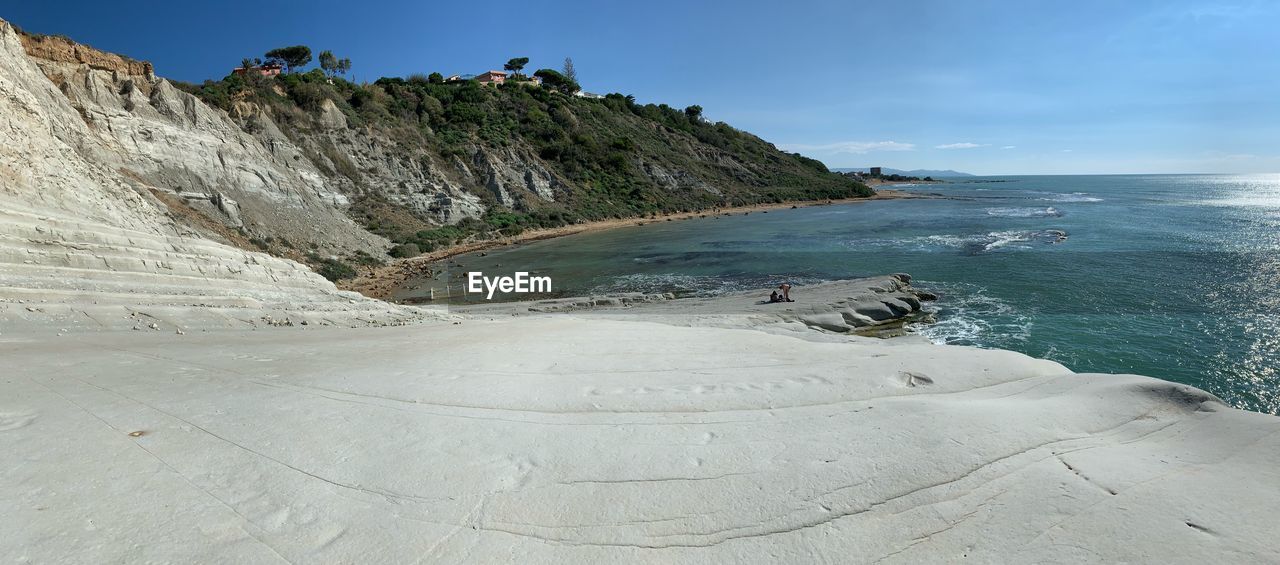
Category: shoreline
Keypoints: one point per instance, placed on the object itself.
(880, 306)
(380, 282)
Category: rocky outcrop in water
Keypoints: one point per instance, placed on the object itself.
(876, 306)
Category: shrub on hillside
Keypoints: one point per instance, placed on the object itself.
(430, 107)
(405, 250)
(331, 268)
(308, 96)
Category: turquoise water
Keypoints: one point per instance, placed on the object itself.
(1174, 276)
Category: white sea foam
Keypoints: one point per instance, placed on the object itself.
(996, 240)
(967, 315)
(971, 243)
(1073, 197)
(1049, 212)
(991, 241)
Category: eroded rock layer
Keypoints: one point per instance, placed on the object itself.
(83, 246)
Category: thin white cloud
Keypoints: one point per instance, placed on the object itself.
(855, 147)
(1067, 150)
(1010, 147)
(962, 145)
(1224, 156)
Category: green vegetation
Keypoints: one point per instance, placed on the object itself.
(558, 82)
(405, 250)
(610, 157)
(331, 268)
(332, 65)
(568, 70)
(291, 57)
(516, 65)
(496, 222)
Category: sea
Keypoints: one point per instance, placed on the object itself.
(1171, 276)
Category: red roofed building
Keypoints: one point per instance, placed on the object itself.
(492, 77)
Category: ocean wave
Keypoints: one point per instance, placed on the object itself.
(999, 240)
(967, 315)
(970, 243)
(1049, 212)
(1072, 197)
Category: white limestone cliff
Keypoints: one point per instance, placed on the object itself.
(83, 246)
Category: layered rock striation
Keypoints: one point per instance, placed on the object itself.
(84, 245)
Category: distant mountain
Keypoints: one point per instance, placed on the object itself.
(912, 173)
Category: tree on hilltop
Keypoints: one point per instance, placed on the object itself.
(554, 80)
(328, 62)
(694, 112)
(568, 70)
(515, 66)
(291, 57)
(332, 65)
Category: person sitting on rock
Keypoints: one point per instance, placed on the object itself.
(775, 297)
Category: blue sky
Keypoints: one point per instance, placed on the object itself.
(1020, 87)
